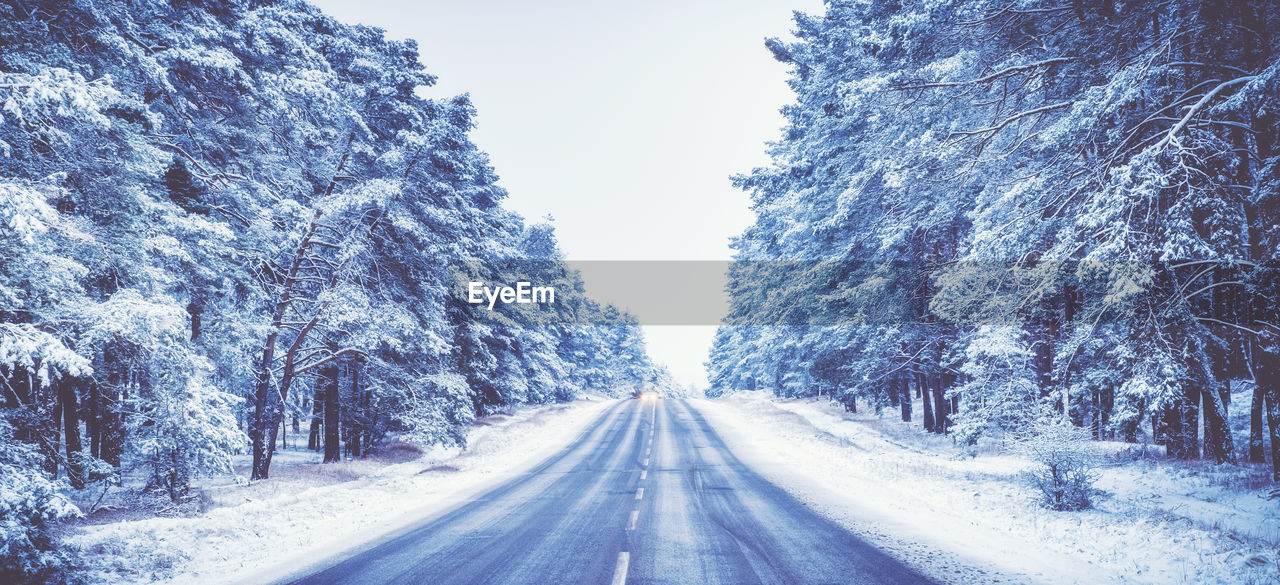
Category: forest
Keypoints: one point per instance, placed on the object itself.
(1018, 211)
(241, 232)
(230, 223)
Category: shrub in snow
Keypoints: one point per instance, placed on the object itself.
(179, 425)
(29, 503)
(185, 430)
(1001, 394)
(1065, 463)
(29, 498)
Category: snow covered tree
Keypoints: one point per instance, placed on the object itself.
(227, 209)
(177, 424)
(1094, 182)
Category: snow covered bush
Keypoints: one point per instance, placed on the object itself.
(1001, 393)
(30, 500)
(185, 429)
(1065, 463)
(179, 424)
(29, 503)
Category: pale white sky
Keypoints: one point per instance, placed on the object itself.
(622, 120)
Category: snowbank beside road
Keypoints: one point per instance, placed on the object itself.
(281, 532)
(970, 520)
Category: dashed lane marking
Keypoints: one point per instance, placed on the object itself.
(639, 493)
(631, 523)
(620, 573)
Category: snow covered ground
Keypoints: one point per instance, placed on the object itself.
(309, 513)
(969, 519)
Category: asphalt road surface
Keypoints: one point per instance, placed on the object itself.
(649, 494)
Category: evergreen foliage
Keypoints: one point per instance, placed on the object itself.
(1030, 207)
(217, 217)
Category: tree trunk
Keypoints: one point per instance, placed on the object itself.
(263, 400)
(268, 405)
(941, 410)
(926, 402)
(275, 416)
(113, 428)
(317, 414)
(1095, 415)
(950, 381)
(93, 422)
(332, 437)
(71, 430)
(195, 310)
(1273, 424)
(904, 386)
(1191, 422)
(1181, 425)
(1267, 375)
(54, 434)
(1130, 430)
(357, 414)
(1108, 403)
(1042, 359)
(177, 481)
(1257, 453)
(368, 409)
(1217, 435)
(1260, 219)
(111, 397)
(20, 395)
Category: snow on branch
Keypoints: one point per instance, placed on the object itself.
(1011, 119)
(302, 369)
(1171, 137)
(1012, 11)
(987, 78)
(23, 346)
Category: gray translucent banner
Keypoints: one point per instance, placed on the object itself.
(834, 293)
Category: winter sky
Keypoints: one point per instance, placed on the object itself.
(622, 120)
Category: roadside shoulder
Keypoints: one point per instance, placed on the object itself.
(894, 502)
(298, 528)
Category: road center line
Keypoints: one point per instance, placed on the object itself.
(620, 573)
(646, 461)
(639, 493)
(631, 523)
(643, 473)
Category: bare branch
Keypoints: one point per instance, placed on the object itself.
(1228, 324)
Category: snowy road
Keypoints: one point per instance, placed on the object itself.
(648, 494)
